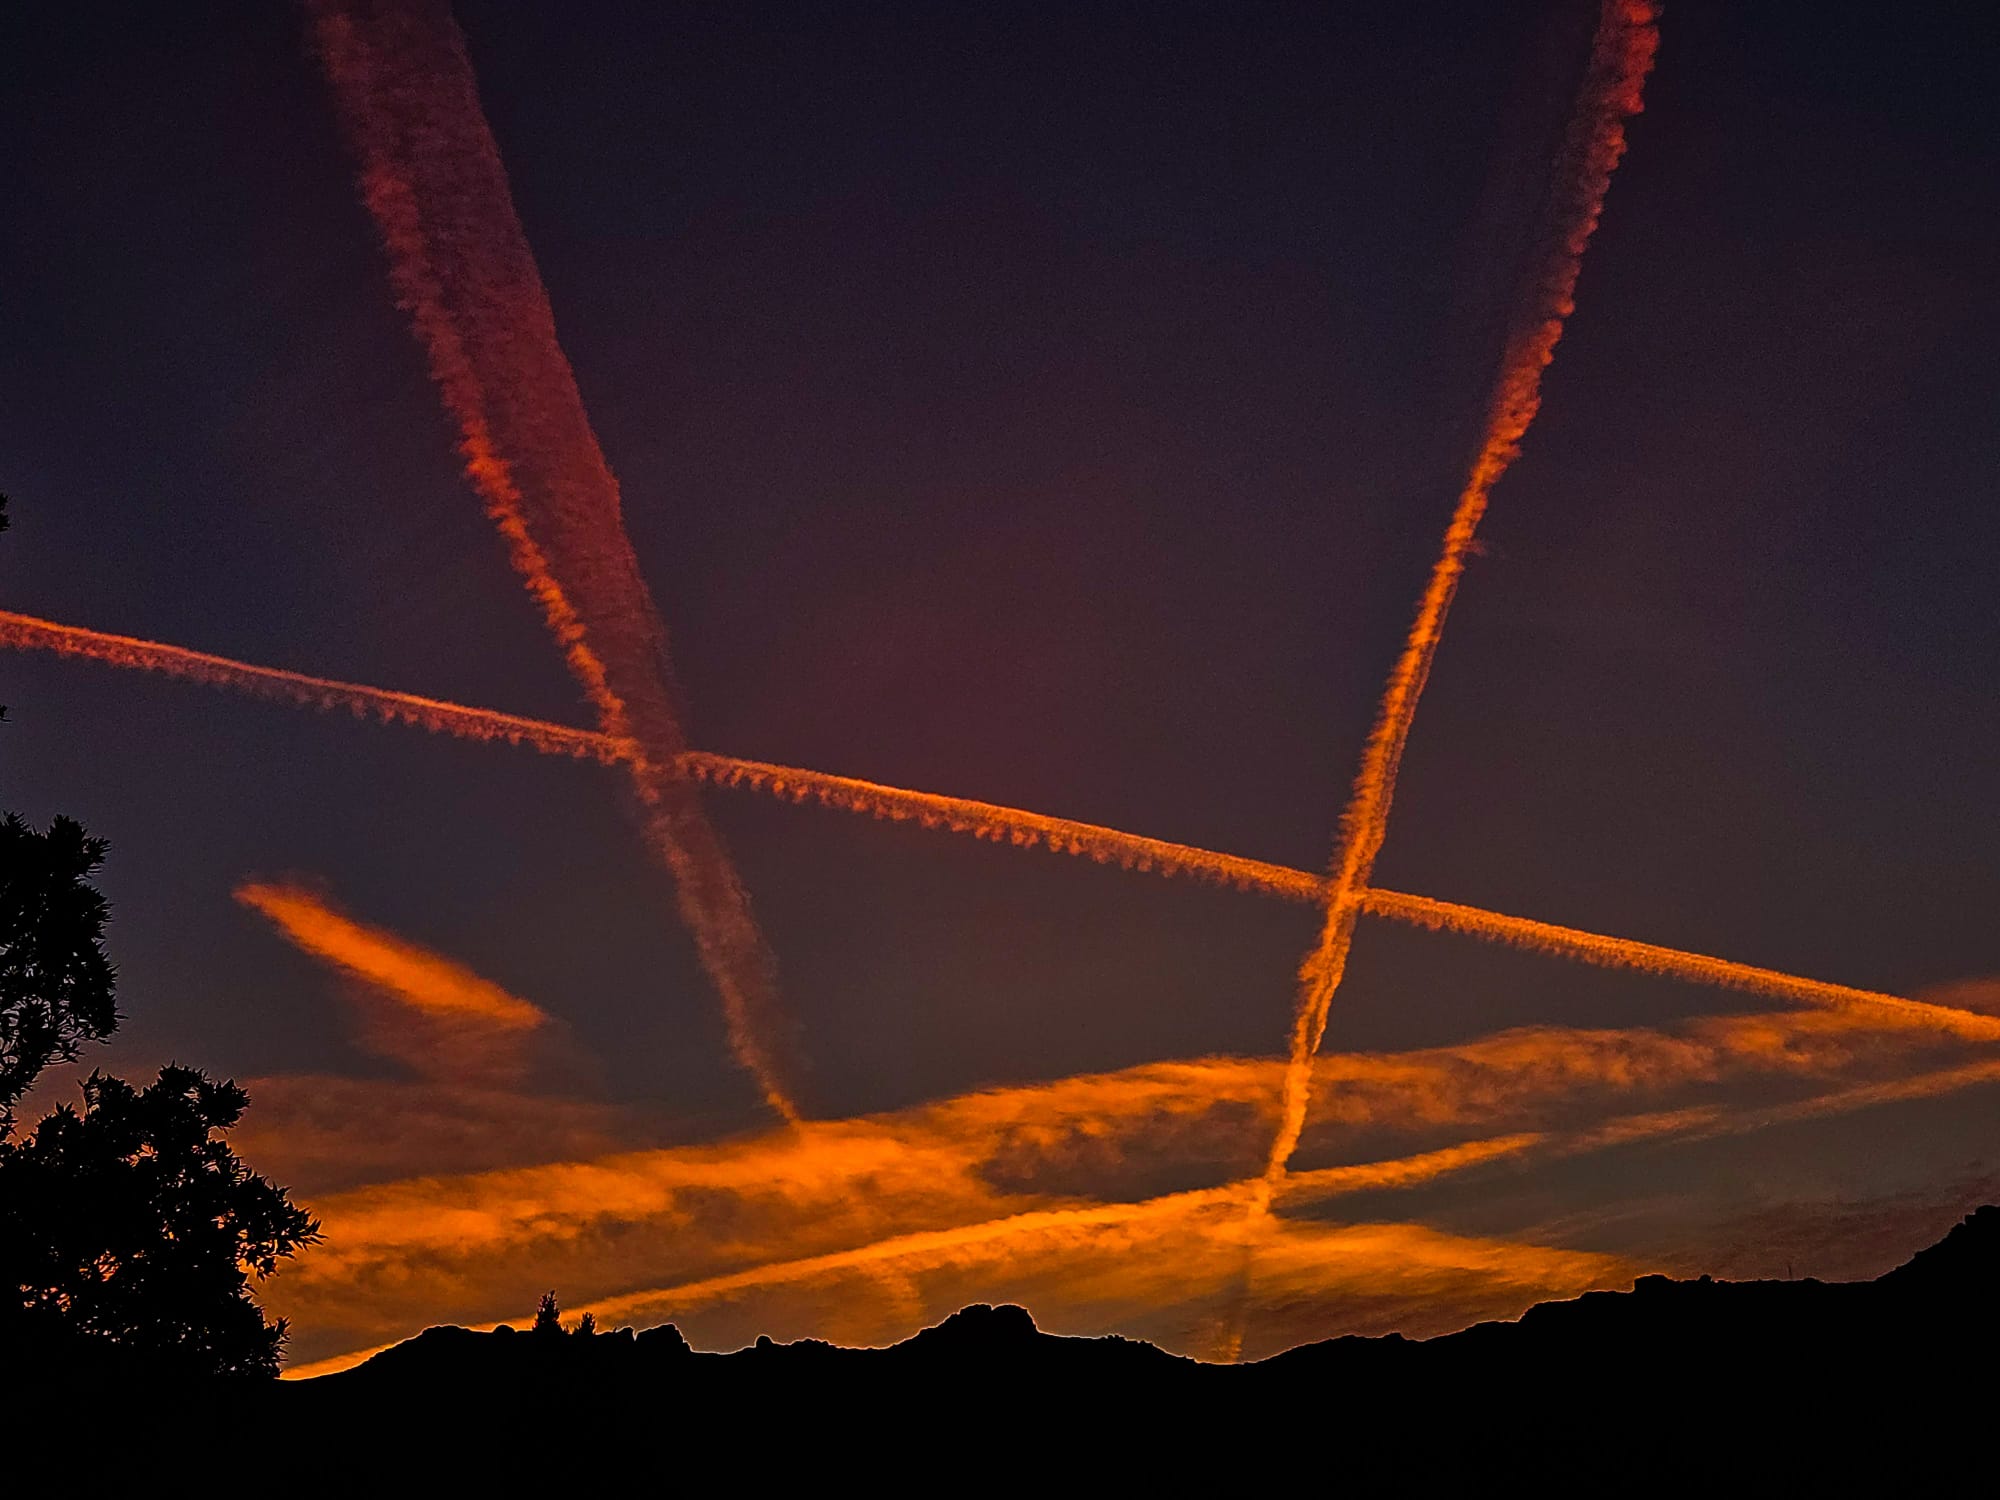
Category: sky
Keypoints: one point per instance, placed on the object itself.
(1059, 406)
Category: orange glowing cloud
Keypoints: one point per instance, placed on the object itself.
(1160, 1267)
(450, 1025)
(320, 1133)
(1155, 1270)
(416, 976)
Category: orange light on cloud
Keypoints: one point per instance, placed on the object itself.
(459, 1246)
(416, 976)
(1083, 1265)
(1078, 1268)
(1080, 1262)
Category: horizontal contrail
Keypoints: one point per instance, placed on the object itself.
(986, 820)
(27, 633)
(990, 1145)
(1421, 1262)
(1133, 851)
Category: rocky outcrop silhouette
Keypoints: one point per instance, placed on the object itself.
(1773, 1387)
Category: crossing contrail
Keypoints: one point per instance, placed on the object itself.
(1006, 825)
(991, 821)
(1621, 57)
(432, 179)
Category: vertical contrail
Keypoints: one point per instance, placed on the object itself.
(432, 178)
(1621, 56)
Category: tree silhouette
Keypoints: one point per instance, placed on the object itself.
(55, 982)
(548, 1316)
(4, 524)
(131, 1224)
(129, 1232)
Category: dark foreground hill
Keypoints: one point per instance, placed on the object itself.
(1715, 1385)
(1780, 1387)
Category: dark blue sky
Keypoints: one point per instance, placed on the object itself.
(1058, 405)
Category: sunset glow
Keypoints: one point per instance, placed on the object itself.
(1055, 404)
(1003, 1183)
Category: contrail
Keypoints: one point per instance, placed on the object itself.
(1181, 1263)
(1007, 825)
(432, 179)
(985, 820)
(1673, 963)
(1621, 57)
(1111, 846)
(1078, 1226)
(990, 1146)
(1075, 1224)
(27, 633)
(790, 1194)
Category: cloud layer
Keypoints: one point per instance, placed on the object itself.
(1113, 1200)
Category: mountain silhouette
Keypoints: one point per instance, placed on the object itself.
(1767, 1387)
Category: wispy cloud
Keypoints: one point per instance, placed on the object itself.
(423, 1009)
(852, 1202)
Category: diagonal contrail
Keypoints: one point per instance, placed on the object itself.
(433, 181)
(28, 633)
(1621, 57)
(985, 820)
